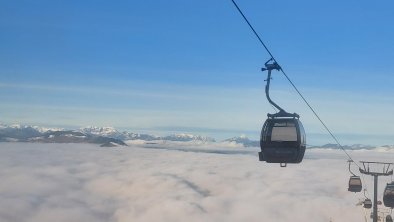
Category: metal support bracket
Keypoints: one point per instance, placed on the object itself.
(282, 113)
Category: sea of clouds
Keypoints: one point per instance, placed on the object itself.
(85, 182)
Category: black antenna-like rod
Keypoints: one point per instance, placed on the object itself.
(267, 92)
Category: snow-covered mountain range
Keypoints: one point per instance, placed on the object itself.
(22, 133)
(245, 141)
(347, 147)
(114, 133)
(91, 134)
(109, 136)
(124, 135)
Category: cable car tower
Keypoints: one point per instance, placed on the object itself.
(384, 172)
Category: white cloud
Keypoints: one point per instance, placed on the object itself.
(74, 182)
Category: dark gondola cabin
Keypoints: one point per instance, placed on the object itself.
(367, 203)
(282, 140)
(355, 184)
(283, 137)
(389, 218)
(388, 195)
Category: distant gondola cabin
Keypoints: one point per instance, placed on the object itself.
(367, 203)
(388, 195)
(355, 184)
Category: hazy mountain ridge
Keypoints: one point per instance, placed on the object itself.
(245, 141)
(349, 147)
(114, 133)
(183, 137)
(91, 134)
(125, 135)
(21, 133)
(109, 136)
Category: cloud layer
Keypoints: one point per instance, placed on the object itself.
(80, 182)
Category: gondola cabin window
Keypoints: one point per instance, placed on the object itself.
(355, 182)
(285, 131)
(389, 190)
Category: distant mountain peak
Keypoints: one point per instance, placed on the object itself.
(99, 130)
(21, 126)
(111, 136)
(99, 127)
(346, 147)
(184, 137)
(26, 133)
(244, 140)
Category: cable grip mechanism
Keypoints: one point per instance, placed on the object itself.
(271, 66)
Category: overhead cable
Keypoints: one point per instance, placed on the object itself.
(294, 86)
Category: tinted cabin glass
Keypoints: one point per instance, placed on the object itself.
(284, 132)
(302, 132)
(264, 132)
(355, 182)
(389, 190)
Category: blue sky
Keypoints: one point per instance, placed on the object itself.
(163, 66)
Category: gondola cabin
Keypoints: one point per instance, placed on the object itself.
(389, 218)
(355, 184)
(282, 140)
(367, 203)
(388, 195)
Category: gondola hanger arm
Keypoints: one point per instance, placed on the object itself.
(350, 162)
